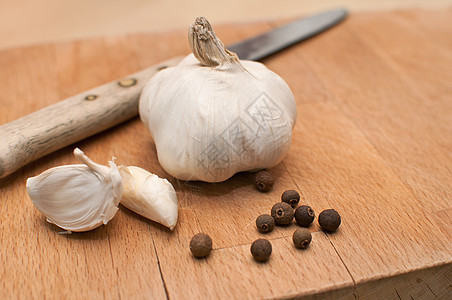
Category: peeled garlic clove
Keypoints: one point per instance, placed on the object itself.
(150, 196)
(77, 197)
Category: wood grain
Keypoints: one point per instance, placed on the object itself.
(372, 140)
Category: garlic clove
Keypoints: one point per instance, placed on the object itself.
(150, 196)
(77, 197)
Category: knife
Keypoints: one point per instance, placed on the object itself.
(100, 108)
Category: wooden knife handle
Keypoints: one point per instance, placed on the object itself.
(72, 119)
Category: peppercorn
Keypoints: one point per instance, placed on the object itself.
(264, 181)
(304, 215)
(329, 220)
(291, 197)
(282, 213)
(301, 238)
(265, 223)
(200, 245)
(261, 249)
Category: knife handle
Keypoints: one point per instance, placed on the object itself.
(72, 119)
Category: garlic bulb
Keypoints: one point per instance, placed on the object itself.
(77, 197)
(148, 195)
(213, 115)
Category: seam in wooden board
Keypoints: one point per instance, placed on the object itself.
(428, 267)
(388, 276)
(113, 264)
(431, 291)
(335, 250)
(345, 266)
(160, 269)
(288, 237)
(397, 293)
(246, 244)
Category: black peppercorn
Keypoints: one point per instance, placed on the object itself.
(302, 238)
(265, 223)
(329, 220)
(200, 245)
(291, 197)
(264, 181)
(261, 249)
(304, 215)
(282, 213)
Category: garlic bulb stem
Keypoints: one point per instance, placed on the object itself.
(208, 48)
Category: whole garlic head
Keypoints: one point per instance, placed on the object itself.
(212, 115)
(77, 197)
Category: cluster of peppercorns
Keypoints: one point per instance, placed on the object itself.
(283, 213)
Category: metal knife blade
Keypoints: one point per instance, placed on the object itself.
(88, 113)
(277, 39)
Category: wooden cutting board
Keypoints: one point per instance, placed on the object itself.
(373, 140)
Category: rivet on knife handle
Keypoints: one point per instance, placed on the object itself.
(91, 112)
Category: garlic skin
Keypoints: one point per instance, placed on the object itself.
(150, 196)
(77, 197)
(212, 115)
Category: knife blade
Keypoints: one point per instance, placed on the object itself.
(73, 119)
(264, 45)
